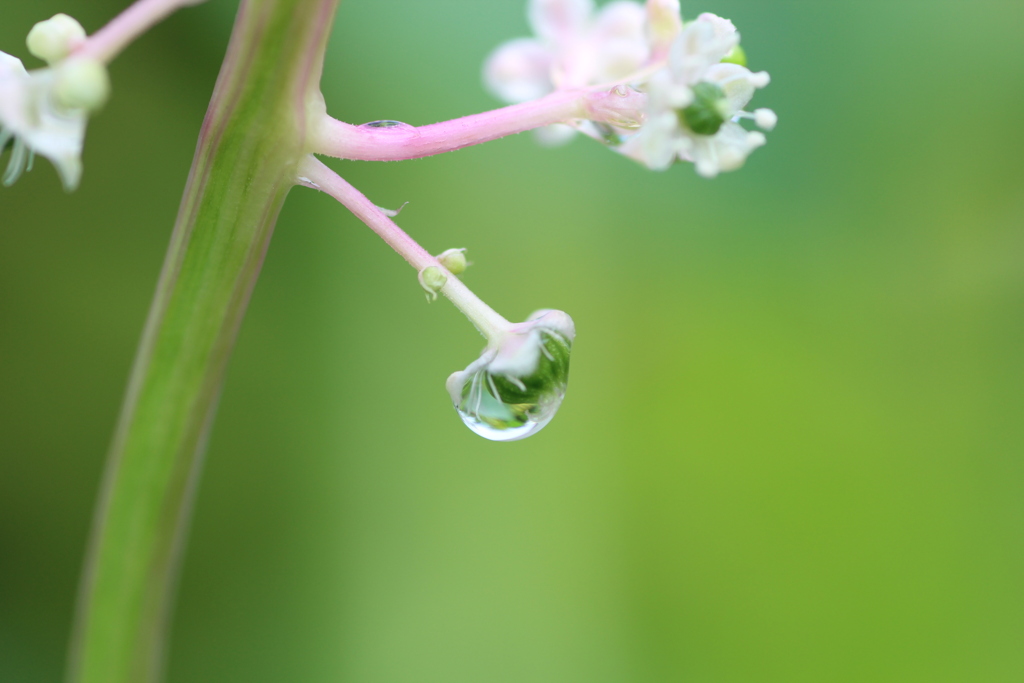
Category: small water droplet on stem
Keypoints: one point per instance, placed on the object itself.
(385, 123)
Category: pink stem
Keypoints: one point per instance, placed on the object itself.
(110, 40)
(313, 173)
(619, 106)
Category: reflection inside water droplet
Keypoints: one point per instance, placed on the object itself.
(505, 399)
(606, 134)
(385, 123)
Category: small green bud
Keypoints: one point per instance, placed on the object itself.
(736, 56)
(432, 279)
(454, 260)
(704, 116)
(54, 39)
(82, 84)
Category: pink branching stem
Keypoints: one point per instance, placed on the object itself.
(110, 40)
(313, 173)
(618, 106)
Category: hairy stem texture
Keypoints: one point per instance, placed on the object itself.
(318, 176)
(373, 142)
(252, 139)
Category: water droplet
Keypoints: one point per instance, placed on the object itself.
(621, 90)
(606, 134)
(385, 123)
(512, 394)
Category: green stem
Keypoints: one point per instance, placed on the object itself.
(254, 135)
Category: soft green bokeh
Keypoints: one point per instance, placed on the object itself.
(792, 444)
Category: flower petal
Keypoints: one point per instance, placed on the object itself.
(727, 150)
(663, 24)
(657, 144)
(696, 49)
(736, 82)
(618, 58)
(723, 27)
(621, 19)
(27, 111)
(617, 40)
(664, 94)
(559, 21)
(518, 71)
(11, 66)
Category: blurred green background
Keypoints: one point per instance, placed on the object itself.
(792, 445)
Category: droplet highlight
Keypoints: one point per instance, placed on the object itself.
(510, 394)
(385, 123)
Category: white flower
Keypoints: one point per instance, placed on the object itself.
(695, 103)
(724, 29)
(519, 71)
(574, 48)
(45, 112)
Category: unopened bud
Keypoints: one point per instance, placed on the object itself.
(82, 84)
(454, 260)
(432, 279)
(54, 39)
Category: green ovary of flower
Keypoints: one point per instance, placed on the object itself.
(737, 56)
(705, 116)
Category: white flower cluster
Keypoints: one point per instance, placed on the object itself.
(693, 74)
(45, 111)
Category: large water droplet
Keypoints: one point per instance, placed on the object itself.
(385, 123)
(510, 394)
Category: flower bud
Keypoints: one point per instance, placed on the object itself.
(81, 84)
(554, 19)
(432, 279)
(454, 260)
(54, 39)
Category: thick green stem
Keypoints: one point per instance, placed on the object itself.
(252, 139)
